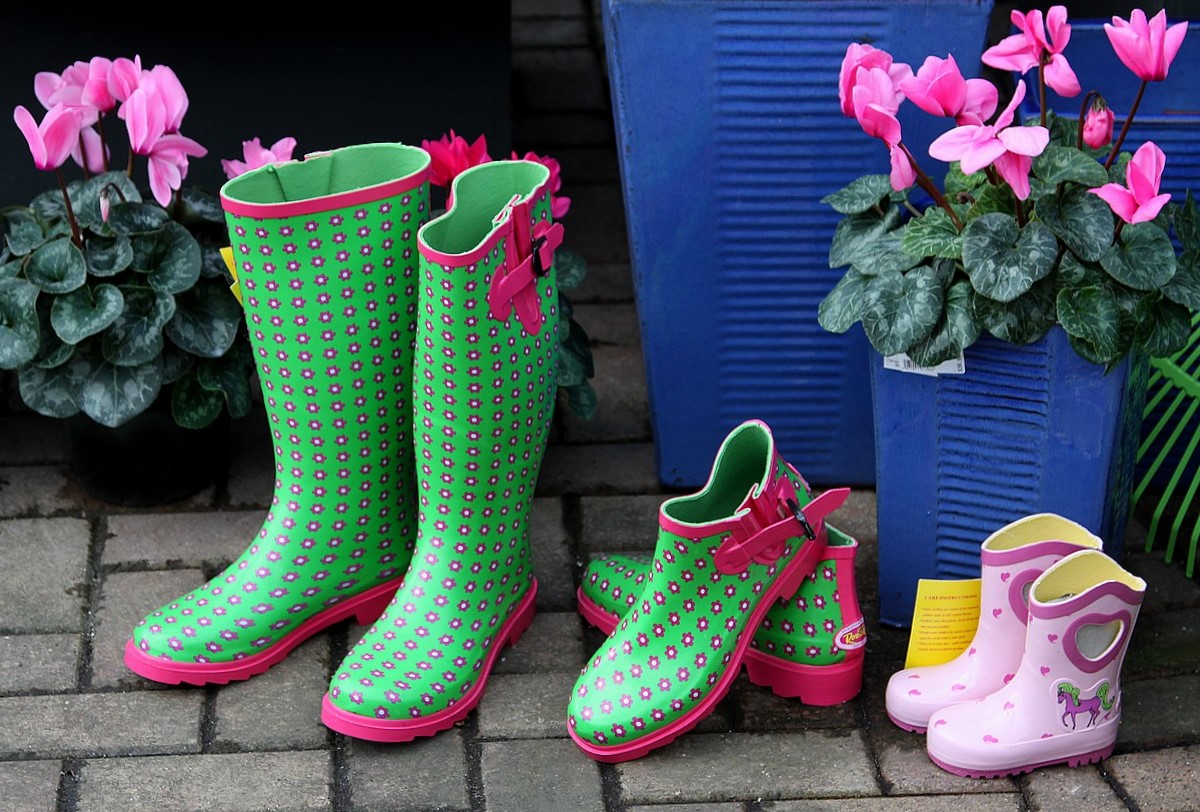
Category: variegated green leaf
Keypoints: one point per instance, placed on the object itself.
(932, 235)
(206, 319)
(1093, 315)
(1163, 327)
(192, 405)
(136, 218)
(1187, 224)
(1184, 286)
(113, 394)
(22, 231)
(901, 309)
(57, 267)
(860, 195)
(1004, 261)
(991, 199)
(1021, 321)
(569, 269)
(1080, 219)
(87, 201)
(957, 182)
(857, 231)
(19, 328)
(108, 256)
(1057, 164)
(957, 330)
(86, 311)
(229, 375)
(54, 392)
(1143, 258)
(843, 306)
(136, 336)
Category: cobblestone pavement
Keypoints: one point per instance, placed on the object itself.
(80, 732)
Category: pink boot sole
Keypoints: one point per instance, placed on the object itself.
(1080, 760)
(404, 730)
(365, 608)
(817, 685)
(785, 584)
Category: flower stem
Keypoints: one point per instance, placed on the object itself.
(76, 236)
(83, 157)
(1112, 156)
(1042, 88)
(103, 142)
(931, 188)
(129, 166)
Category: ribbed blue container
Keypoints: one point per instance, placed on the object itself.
(729, 133)
(1025, 430)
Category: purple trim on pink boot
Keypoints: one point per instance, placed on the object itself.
(906, 725)
(366, 608)
(404, 730)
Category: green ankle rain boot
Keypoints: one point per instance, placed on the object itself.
(484, 383)
(809, 646)
(724, 556)
(326, 257)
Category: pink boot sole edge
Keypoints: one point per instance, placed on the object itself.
(365, 607)
(395, 731)
(1079, 760)
(815, 685)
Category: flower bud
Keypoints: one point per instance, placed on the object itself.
(1098, 125)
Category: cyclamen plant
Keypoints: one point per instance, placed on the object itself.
(1042, 223)
(449, 157)
(107, 296)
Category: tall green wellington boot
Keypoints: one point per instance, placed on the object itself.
(326, 258)
(809, 646)
(724, 556)
(484, 383)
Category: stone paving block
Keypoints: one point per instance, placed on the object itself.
(622, 409)
(857, 516)
(31, 439)
(126, 598)
(280, 709)
(743, 766)
(1159, 713)
(43, 581)
(1008, 802)
(553, 563)
(548, 8)
(598, 469)
(558, 79)
(763, 711)
(1159, 781)
(734, 807)
(1164, 643)
(547, 775)
(571, 32)
(611, 324)
(1170, 587)
(29, 786)
(161, 540)
(581, 165)
(588, 128)
(611, 282)
(36, 490)
(1056, 788)
(606, 240)
(428, 773)
(251, 474)
(907, 770)
(553, 643)
(238, 782)
(620, 523)
(101, 724)
(525, 706)
(38, 662)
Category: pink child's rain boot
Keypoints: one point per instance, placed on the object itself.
(1064, 704)
(1011, 559)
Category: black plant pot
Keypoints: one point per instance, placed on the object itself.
(150, 460)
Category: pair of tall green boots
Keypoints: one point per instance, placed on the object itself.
(408, 372)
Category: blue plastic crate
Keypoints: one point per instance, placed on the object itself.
(729, 133)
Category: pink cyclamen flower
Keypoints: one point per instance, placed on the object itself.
(51, 142)
(451, 155)
(1098, 125)
(124, 77)
(559, 206)
(875, 105)
(1032, 47)
(163, 82)
(865, 56)
(938, 88)
(1138, 200)
(1010, 149)
(89, 151)
(1147, 47)
(83, 85)
(145, 113)
(257, 155)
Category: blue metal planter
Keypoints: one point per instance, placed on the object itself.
(1025, 430)
(730, 132)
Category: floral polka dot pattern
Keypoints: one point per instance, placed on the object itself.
(484, 390)
(675, 653)
(330, 301)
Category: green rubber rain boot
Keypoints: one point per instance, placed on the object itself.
(326, 259)
(809, 646)
(724, 556)
(485, 384)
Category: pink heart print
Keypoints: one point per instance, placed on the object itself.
(990, 739)
(1004, 576)
(997, 612)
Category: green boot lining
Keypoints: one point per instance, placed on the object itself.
(743, 464)
(324, 174)
(480, 193)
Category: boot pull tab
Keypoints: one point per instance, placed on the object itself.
(764, 540)
(528, 256)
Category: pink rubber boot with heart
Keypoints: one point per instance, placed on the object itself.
(1064, 704)
(1011, 558)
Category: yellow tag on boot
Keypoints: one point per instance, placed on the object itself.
(944, 621)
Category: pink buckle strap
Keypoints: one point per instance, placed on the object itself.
(529, 255)
(775, 517)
